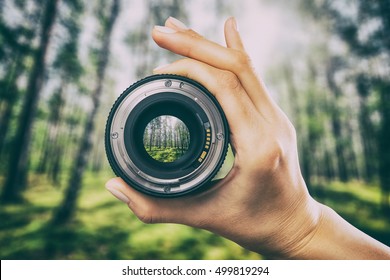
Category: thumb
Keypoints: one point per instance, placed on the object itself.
(152, 209)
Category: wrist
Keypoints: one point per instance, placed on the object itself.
(280, 231)
(282, 235)
(294, 231)
(335, 238)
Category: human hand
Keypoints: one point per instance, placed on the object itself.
(263, 203)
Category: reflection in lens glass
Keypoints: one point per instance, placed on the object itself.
(166, 138)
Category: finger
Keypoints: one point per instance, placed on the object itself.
(232, 36)
(191, 44)
(175, 24)
(252, 83)
(224, 85)
(154, 210)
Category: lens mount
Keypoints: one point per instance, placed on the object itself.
(129, 121)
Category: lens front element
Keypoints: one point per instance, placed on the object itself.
(166, 138)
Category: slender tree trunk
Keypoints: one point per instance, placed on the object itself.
(11, 92)
(353, 168)
(45, 150)
(57, 150)
(19, 156)
(5, 120)
(66, 210)
(97, 154)
(384, 144)
(368, 141)
(336, 122)
(55, 168)
(50, 146)
(329, 170)
(151, 141)
(296, 108)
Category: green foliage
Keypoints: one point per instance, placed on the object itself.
(165, 154)
(358, 203)
(104, 228)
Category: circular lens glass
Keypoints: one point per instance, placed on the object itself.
(166, 138)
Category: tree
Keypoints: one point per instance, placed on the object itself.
(66, 70)
(139, 40)
(337, 124)
(365, 27)
(66, 210)
(368, 130)
(16, 49)
(19, 156)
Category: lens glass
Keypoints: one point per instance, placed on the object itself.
(166, 138)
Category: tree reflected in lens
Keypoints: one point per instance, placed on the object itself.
(166, 138)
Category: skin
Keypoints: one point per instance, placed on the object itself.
(263, 203)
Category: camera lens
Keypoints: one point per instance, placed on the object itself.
(167, 136)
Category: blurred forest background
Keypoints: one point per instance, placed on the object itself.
(64, 62)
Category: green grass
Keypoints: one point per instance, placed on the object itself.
(104, 228)
(359, 204)
(165, 154)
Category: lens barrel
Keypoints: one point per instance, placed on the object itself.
(167, 136)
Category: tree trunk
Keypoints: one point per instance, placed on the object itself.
(5, 120)
(353, 168)
(55, 168)
(384, 144)
(368, 136)
(303, 141)
(11, 93)
(50, 143)
(67, 208)
(45, 150)
(336, 121)
(19, 155)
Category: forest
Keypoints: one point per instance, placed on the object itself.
(166, 138)
(64, 62)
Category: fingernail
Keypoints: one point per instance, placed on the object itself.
(234, 23)
(164, 29)
(117, 193)
(159, 68)
(177, 23)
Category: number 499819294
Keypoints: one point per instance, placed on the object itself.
(223, 270)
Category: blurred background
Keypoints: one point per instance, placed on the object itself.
(64, 62)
